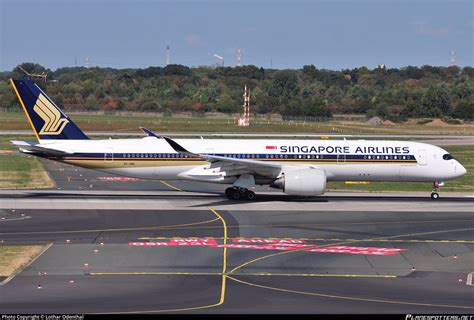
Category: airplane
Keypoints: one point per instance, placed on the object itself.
(297, 167)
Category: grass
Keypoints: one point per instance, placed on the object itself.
(13, 258)
(21, 171)
(131, 123)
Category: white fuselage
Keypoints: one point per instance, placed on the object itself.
(357, 160)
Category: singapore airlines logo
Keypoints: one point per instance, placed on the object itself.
(53, 124)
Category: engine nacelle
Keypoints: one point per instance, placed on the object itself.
(302, 182)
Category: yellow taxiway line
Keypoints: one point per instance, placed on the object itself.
(169, 185)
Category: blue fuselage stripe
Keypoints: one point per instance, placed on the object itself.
(252, 156)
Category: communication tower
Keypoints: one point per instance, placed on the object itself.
(453, 57)
(239, 57)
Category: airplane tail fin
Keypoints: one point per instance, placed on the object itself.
(45, 117)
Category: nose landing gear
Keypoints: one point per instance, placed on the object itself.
(434, 192)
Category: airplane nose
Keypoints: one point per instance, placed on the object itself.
(461, 170)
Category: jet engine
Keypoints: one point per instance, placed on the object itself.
(301, 182)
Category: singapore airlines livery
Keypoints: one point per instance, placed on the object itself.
(298, 167)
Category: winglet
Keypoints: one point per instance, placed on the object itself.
(178, 148)
(149, 132)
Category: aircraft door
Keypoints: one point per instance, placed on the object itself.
(341, 159)
(422, 158)
(109, 155)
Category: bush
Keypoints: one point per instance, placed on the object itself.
(464, 109)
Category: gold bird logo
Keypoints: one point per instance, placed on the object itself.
(53, 124)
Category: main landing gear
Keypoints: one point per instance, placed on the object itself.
(434, 192)
(236, 193)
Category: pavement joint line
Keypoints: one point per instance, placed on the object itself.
(346, 297)
(155, 273)
(113, 230)
(4, 282)
(170, 185)
(469, 279)
(270, 274)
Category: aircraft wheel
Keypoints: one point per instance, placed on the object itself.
(236, 195)
(250, 195)
(434, 196)
(229, 192)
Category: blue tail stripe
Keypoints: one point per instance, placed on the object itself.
(47, 119)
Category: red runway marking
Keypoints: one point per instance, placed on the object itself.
(270, 244)
(117, 179)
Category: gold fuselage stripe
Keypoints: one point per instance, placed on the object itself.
(100, 162)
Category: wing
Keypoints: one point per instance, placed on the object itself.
(232, 166)
(35, 149)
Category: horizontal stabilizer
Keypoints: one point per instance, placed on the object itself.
(29, 147)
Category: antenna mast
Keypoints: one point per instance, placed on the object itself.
(244, 121)
(239, 57)
(453, 57)
(34, 75)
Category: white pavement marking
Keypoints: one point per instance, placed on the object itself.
(15, 219)
(184, 202)
(469, 279)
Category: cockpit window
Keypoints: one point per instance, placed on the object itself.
(447, 156)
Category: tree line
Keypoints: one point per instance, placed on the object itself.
(394, 94)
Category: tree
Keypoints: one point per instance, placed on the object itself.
(109, 103)
(176, 70)
(91, 103)
(465, 109)
(30, 67)
(150, 106)
(436, 102)
(310, 71)
(410, 91)
(226, 104)
(361, 97)
(7, 101)
(315, 107)
(292, 107)
(284, 85)
(334, 95)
